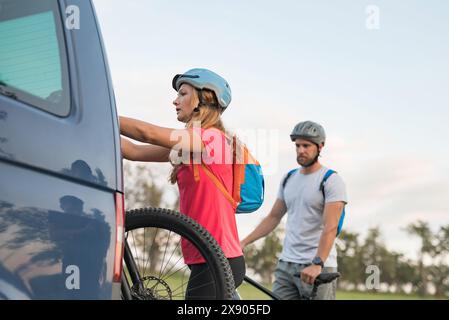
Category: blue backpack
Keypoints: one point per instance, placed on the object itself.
(326, 176)
(248, 182)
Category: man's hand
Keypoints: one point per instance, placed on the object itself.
(309, 274)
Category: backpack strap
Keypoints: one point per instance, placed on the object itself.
(196, 173)
(220, 186)
(289, 174)
(238, 169)
(238, 172)
(326, 176)
(343, 213)
(217, 183)
(214, 179)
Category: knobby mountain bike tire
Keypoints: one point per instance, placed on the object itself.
(148, 277)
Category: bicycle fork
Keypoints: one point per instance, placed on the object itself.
(133, 273)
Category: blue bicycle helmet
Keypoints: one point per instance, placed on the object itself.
(206, 79)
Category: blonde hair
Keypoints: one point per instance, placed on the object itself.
(208, 115)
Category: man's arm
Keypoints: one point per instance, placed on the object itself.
(147, 153)
(268, 224)
(332, 213)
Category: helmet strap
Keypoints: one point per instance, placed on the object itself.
(200, 103)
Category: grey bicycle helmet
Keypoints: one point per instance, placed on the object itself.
(206, 79)
(309, 131)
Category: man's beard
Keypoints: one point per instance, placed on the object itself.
(309, 163)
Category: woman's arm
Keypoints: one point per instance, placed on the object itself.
(183, 139)
(147, 153)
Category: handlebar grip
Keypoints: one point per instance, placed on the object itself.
(326, 278)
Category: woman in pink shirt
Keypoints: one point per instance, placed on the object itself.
(202, 97)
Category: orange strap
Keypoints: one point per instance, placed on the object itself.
(196, 174)
(238, 174)
(236, 167)
(215, 181)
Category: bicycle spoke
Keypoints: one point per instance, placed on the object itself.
(163, 258)
(183, 269)
(136, 257)
(184, 283)
(148, 262)
(172, 256)
(171, 274)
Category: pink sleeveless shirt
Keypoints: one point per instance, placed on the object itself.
(203, 201)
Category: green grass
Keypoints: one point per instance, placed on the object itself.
(248, 292)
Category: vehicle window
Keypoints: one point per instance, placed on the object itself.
(33, 61)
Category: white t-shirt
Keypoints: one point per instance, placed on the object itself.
(305, 206)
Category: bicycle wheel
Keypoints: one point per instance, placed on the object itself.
(154, 267)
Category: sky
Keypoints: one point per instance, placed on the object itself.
(375, 74)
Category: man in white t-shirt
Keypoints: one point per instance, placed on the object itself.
(314, 198)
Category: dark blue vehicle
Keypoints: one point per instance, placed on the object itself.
(61, 180)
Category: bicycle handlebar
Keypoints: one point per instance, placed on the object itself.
(326, 278)
(323, 278)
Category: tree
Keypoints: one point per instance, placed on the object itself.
(354, 258)
(349, 260)
(439, 271)
(406, 274)
(142, 190)
(422, 230)
(397, 272)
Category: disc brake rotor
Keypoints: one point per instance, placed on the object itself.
(151, 288)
